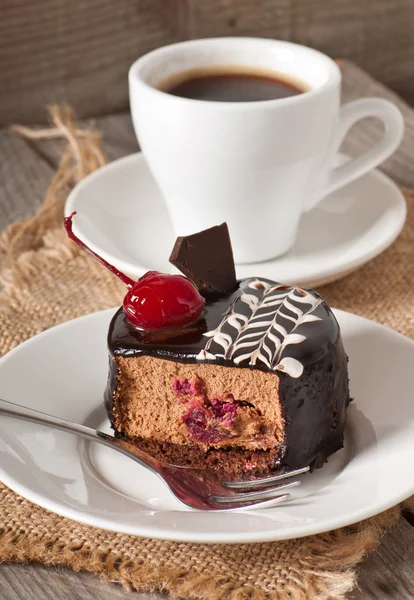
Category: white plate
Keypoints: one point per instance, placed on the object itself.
(63, 371)
(122, 216)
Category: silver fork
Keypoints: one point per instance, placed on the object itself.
(193, 487)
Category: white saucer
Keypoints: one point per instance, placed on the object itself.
(122, 216)
(63, 371)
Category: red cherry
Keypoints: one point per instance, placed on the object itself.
(156, 300)
(159, 300)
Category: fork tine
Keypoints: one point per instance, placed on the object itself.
(265, 481)
(260, 504)
(259, 495)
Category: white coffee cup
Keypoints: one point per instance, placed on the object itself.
(256, 165)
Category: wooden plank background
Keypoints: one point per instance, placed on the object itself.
(80, 50)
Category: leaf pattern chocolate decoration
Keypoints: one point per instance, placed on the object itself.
(261, 322)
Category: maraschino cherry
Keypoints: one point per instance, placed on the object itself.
(156, 300)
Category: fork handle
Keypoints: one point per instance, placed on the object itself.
(16, 411)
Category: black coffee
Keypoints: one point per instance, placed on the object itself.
(231, 86)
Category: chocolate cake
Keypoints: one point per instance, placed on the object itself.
(259, 383)
(240, 377)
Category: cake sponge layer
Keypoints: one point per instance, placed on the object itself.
(207, 405)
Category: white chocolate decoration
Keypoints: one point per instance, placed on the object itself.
(260, 324)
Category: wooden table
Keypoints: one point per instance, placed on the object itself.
(25, 172)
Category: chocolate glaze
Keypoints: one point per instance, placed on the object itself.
(314, 404)
(183, 344)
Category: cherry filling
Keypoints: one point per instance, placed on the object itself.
(156, 300)
(183, 386)
(208, 421)
(209, 424)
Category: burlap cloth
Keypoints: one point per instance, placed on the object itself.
(47, 280)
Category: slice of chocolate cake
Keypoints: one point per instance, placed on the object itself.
(258, 383)
(247, 378)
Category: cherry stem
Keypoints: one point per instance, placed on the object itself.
(68, 226)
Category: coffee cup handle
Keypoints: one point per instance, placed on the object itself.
(351, 113)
